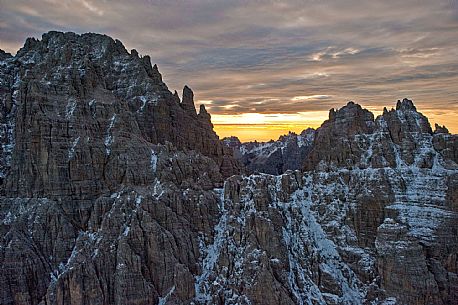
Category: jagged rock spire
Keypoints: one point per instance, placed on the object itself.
(440, 129)
(134, 53)
(405, 119)
(176, 97)
(187, 101)
(332, 114)
(204, 115)
(202, 109)
(188, 96)
(152, 71)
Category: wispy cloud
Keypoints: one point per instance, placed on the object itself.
(273, 57)
(310, 97)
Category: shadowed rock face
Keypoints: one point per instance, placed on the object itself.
(88, 87)
(80, 118)
(113, 192)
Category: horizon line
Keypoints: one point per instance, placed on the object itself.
(261, 124)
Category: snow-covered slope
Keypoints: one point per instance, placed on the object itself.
(373, 223)
(273, 157)
(112, 192)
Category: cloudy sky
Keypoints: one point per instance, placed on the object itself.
(275, 62)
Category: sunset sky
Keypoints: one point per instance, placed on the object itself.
(278, 64)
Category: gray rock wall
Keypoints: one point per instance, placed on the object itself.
(113, 191)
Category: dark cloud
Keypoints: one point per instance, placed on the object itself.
(258, 56)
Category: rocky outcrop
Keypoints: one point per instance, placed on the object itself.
(113, 191)
(79, 86)
(382, 236)
(440, 129)
(446, 143)
(138, 245)
(82, 120)
(4, 55)
(372, 235)
(342, 125)
(351, 138)
(187, 102)
(404, 179)
(273, 157)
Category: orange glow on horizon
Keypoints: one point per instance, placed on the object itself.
(265, 127)
(257, 132)
(311, 118)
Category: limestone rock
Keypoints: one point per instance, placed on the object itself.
(333, 140)
(351, 138)
(188, 101)
(113, 191)
(79, 85)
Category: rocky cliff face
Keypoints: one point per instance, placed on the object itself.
(373, 218)
(113, 191)
(80, 118)
(273, 157)
(405, 205)
(81, 91)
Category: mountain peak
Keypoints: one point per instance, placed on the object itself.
(349, 111)
(308, 131)
(405, 119)
(351, 118)
(405, 104)
(90, 70)
(4, 55)
(134, 53)
(104, 167)
(332, 114)
(232, 142)
(440, 129)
